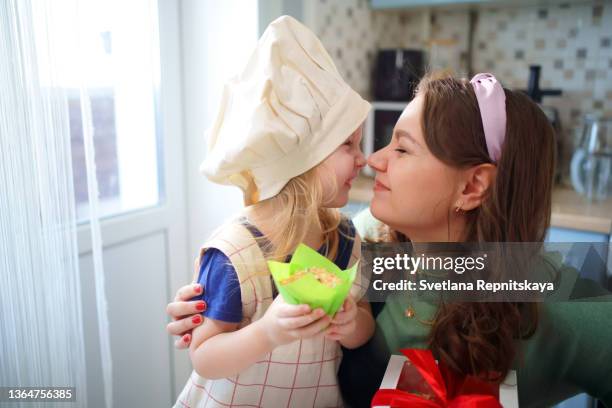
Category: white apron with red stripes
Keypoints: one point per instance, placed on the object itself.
(299, 374)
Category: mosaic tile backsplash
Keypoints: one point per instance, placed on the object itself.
(572, 42)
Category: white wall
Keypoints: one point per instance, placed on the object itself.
(217, 37)
(270, 10)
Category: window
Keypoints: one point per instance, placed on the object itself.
(121, 64)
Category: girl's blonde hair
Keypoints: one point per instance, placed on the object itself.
(297, 208)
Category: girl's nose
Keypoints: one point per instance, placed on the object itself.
(360, 160)
(377, 161)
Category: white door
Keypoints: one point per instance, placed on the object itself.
(136, 105)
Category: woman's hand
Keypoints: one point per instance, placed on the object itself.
(283, 323)
(185, 314)
(344, 323)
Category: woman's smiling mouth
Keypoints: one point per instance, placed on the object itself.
(378, 186)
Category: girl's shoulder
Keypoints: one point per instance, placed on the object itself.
(235, 239)
(233, 228)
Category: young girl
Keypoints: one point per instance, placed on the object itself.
(288, 135)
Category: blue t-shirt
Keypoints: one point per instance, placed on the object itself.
(220, 280)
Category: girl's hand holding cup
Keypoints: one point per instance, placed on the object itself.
(284, 323)
(344, 322)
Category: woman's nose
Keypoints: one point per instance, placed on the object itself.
(377, 160)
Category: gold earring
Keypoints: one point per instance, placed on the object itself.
(458, 207)
(410, 313)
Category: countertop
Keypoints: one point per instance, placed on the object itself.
(569, 209)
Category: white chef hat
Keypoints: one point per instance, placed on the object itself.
(282, 115)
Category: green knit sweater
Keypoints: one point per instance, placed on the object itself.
(570, 352)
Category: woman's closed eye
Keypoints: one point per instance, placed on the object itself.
(402, 151)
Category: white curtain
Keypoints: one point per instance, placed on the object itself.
(41, 330)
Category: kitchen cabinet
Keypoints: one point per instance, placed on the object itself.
(556, 234)
(592, 260)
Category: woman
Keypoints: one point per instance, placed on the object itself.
(471, 161)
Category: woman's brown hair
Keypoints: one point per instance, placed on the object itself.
(480, 338)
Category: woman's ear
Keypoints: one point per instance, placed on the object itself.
(477, 181)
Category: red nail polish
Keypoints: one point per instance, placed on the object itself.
(197, 288)
(201, 306)
(186, 338)
(196, 319)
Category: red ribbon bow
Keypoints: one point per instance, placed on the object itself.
(445, 391)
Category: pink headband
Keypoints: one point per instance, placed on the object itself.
(492, 104)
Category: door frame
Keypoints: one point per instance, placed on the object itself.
(170, 216)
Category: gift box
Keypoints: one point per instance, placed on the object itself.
(300, 280)
(419, 381)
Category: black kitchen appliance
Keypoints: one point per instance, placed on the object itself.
(533, 86)
(536, 94)
(397, 73)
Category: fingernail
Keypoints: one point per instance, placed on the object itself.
(186, 338)
(196, 319)
(197, 288)
(201, 306)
